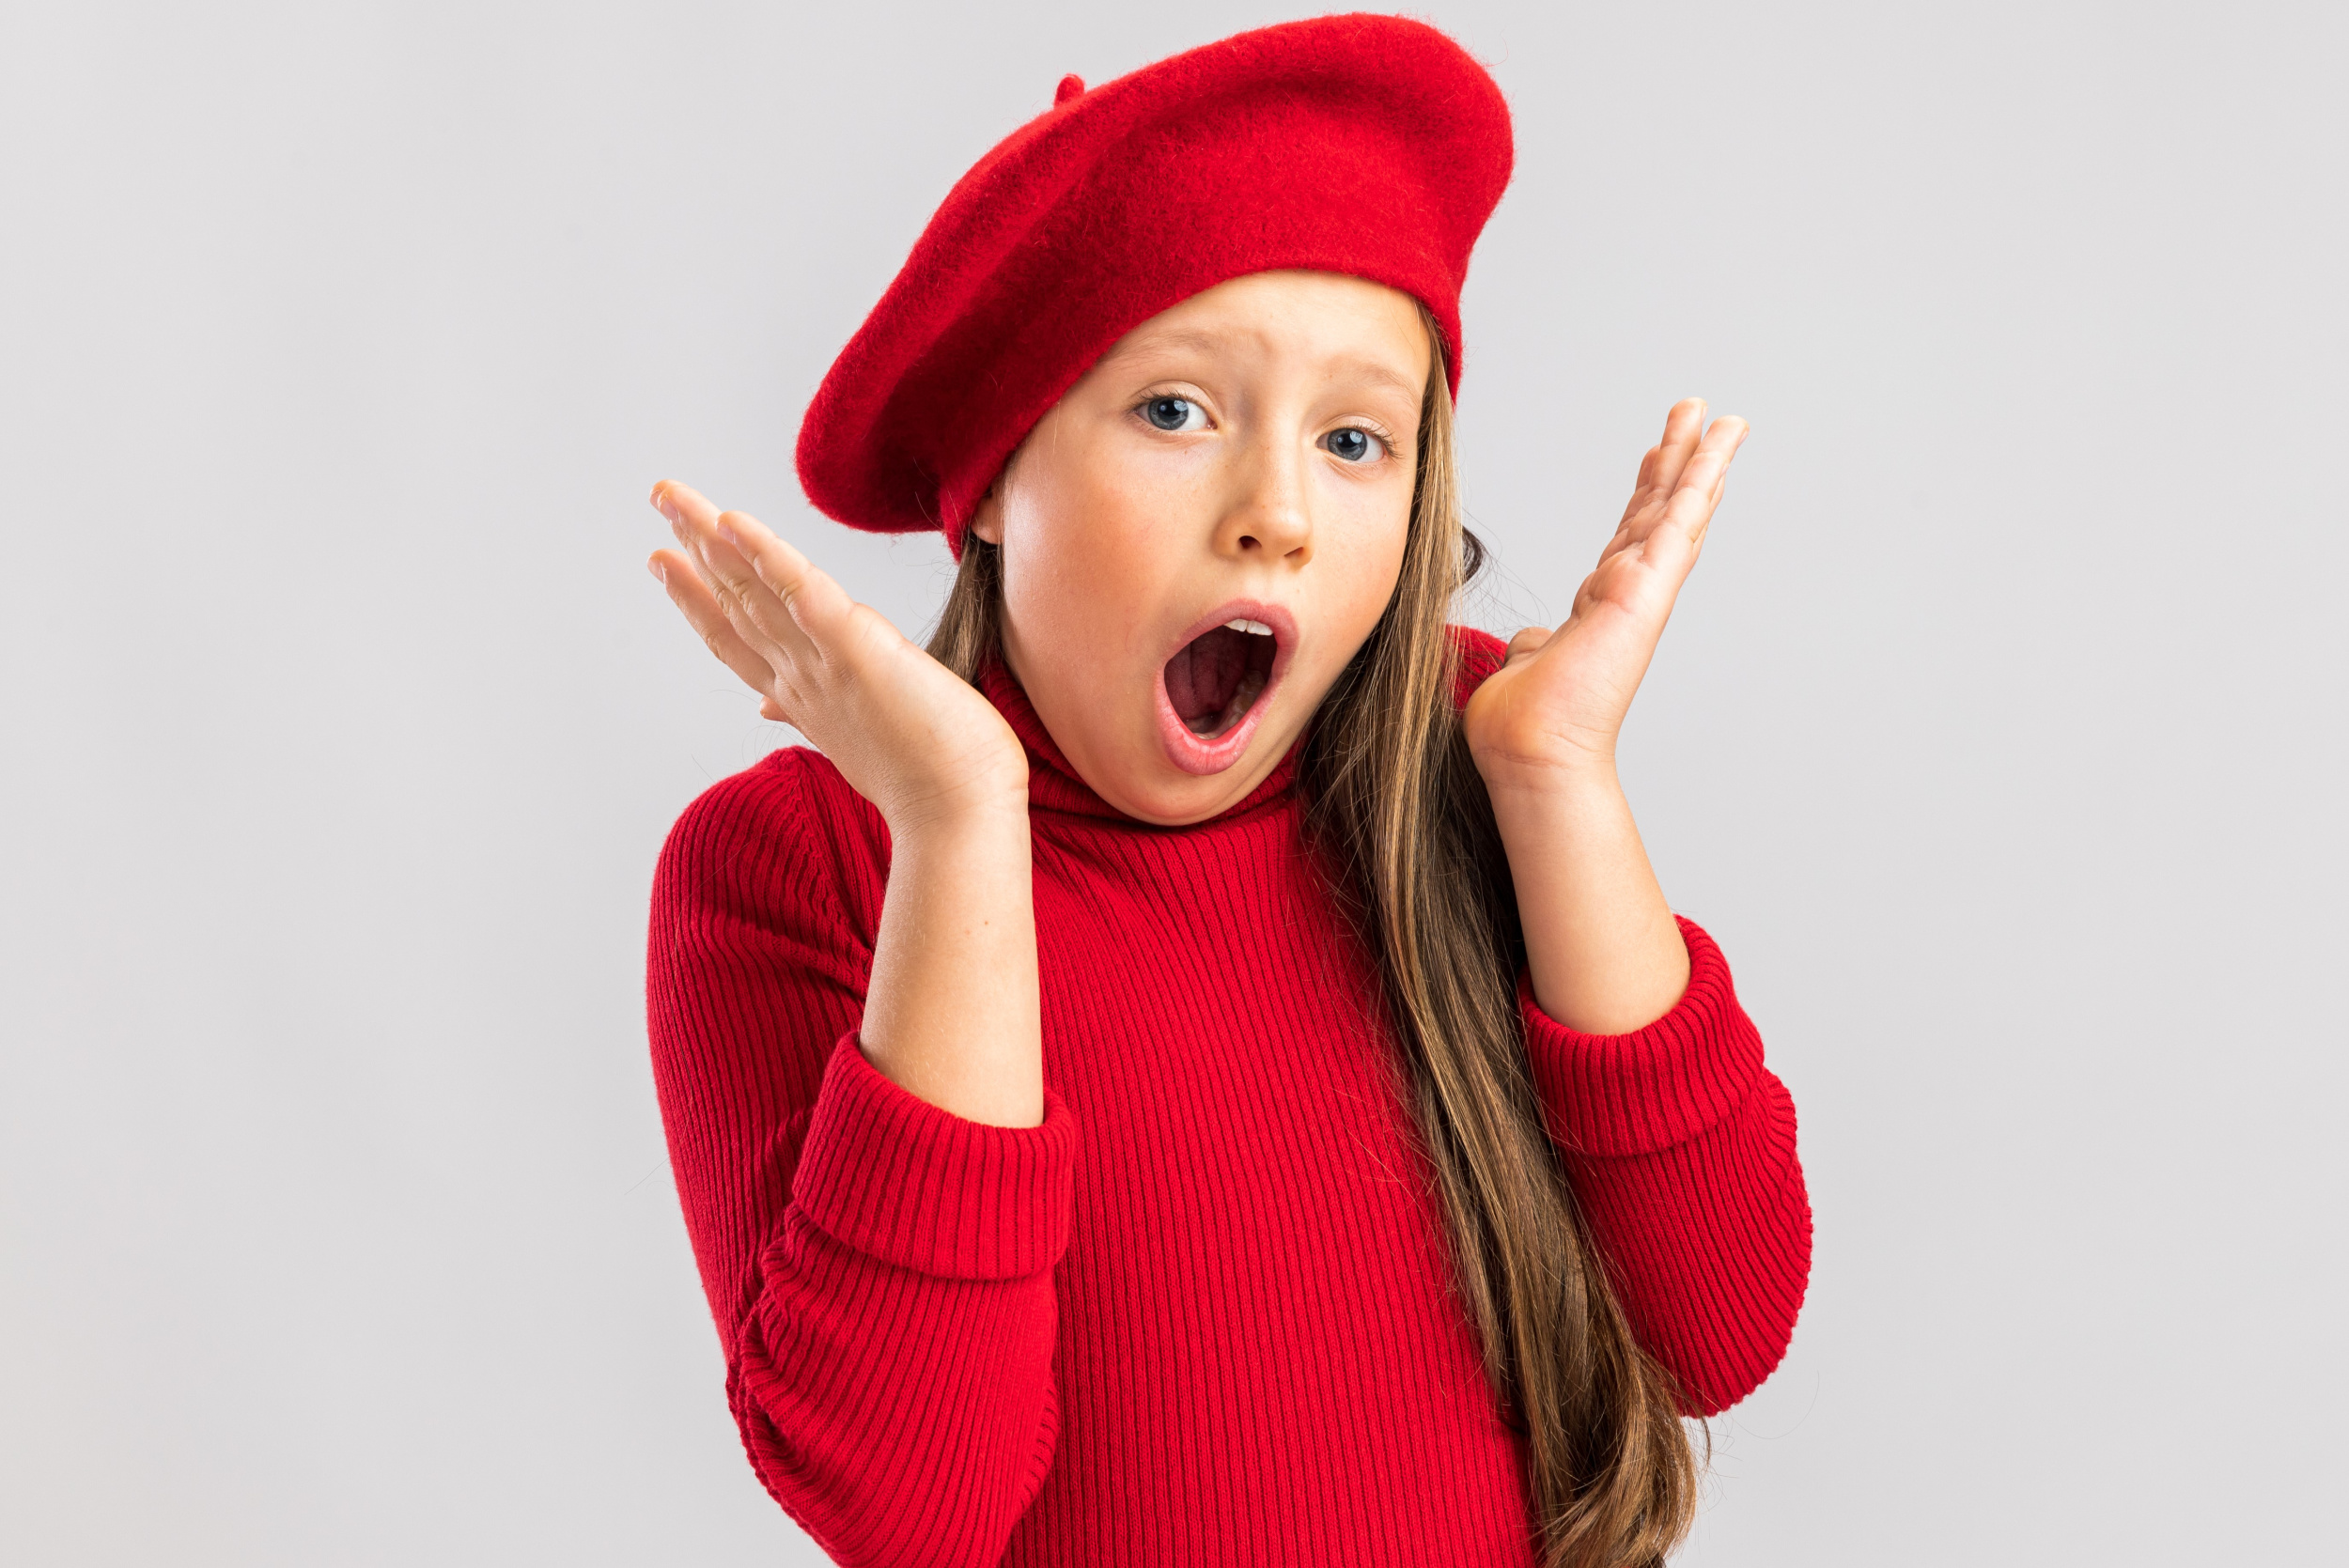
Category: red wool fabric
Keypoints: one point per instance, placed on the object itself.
(1200, 1315)
(1366, 144)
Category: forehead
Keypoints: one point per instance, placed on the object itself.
(1318, 322)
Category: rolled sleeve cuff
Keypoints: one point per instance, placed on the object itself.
(899, 1179)
(1608, 1095)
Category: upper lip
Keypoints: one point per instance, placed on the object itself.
(1284, 627)
(1195, 753)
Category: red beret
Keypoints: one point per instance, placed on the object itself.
(1366, 144)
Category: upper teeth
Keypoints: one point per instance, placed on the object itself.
(1255, 628)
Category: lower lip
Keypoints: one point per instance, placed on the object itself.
(1200, 755)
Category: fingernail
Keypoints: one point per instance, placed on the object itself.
(660, 503)
(660, 574)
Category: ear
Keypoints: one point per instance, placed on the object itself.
(987, 522)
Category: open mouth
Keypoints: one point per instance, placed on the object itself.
(1216, 677)
(1215, 688)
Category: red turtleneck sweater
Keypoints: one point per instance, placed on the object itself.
(1201, 1314)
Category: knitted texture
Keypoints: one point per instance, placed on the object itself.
(1370, 146)
(1201, 1314)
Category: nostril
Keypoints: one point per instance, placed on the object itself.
(1249, 541)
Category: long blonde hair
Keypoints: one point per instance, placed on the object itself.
(1396, 806)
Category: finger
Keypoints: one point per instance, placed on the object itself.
(815, 603)
(711, 539)
(1682, 425)
(700, 610)
(1689, 512)
(687, 509)
(1660, 473)
(1721, 480)
(703, 611)
(701, 528)
(784, 607)
(1528, 640)
(1708, 467)
(1644, 486)
(699, 524)
(756, 611)
(694, 521)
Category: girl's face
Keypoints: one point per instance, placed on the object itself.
(1203, 531)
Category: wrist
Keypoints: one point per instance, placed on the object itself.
(1578, 775)
(963, 816)
(1546, 812)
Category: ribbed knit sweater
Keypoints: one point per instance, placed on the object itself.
(1201, 1316)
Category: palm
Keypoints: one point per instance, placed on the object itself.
(1560, 700)
(903, 731)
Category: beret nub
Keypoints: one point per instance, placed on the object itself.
(1365, 145)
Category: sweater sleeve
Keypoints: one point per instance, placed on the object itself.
(1680, 1146)
(881, 1270)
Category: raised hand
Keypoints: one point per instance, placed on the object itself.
(905, 732)
(950, 1004)
(1559, 701)
(1605, 953)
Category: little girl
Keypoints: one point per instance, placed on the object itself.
(1194, 1067)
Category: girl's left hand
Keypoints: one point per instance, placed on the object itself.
(1552, 712)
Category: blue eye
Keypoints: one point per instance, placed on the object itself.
(1349, 444)
(1170, 413)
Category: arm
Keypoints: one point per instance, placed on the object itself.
(878, 1262)
(1599, 937)
(1680, 1146)
(880, 1269)
(952, 1014)
(1679, 1142)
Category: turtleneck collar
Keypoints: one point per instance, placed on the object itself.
(1054, 783)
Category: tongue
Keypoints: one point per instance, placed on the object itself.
(1205, 674)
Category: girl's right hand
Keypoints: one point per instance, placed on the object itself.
(906, 733)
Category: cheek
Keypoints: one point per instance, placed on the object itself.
(1078, 555)
(1366, 549)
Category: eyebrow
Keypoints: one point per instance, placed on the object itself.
(1176, 340)
(1174, 337)
(1372, 370)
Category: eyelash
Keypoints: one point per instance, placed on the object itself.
(1386, 442)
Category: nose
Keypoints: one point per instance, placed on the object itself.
(1266, 517)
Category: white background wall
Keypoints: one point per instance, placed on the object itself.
(1999, 737)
